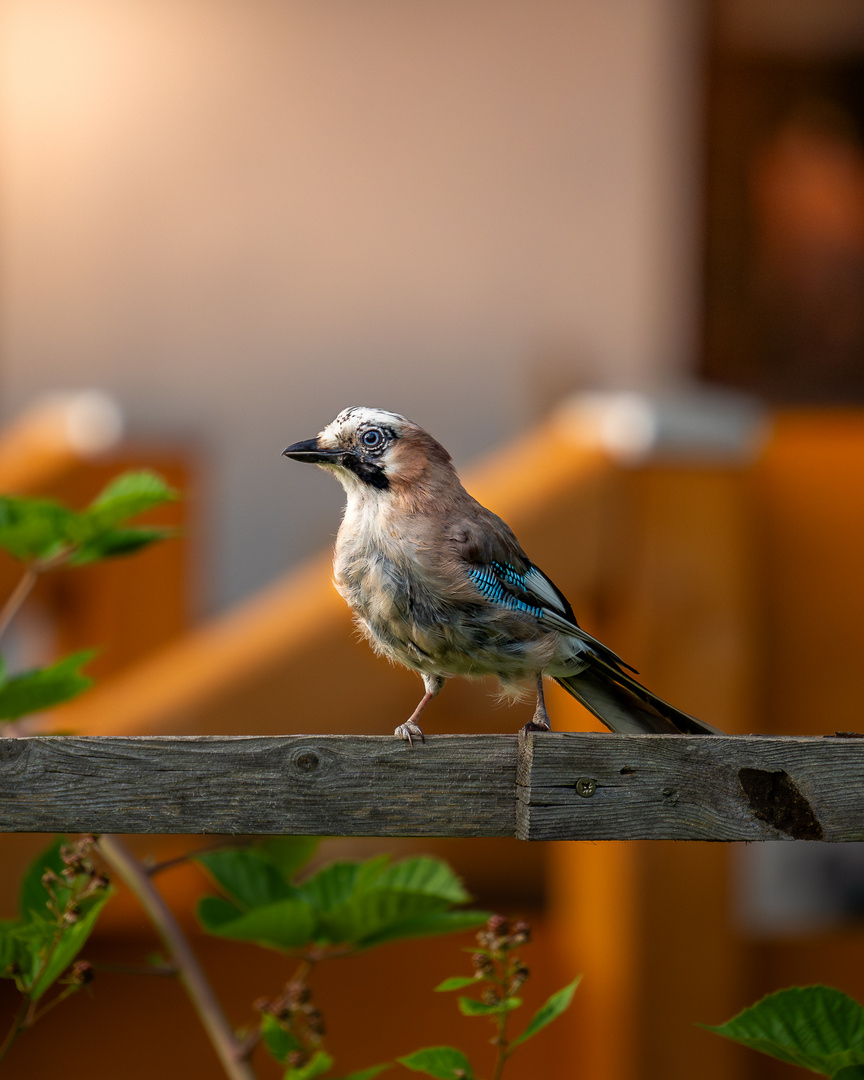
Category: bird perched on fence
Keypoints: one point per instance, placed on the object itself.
(440, 584)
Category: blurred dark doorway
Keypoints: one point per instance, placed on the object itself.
(784, 253)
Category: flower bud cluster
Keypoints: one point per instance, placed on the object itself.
(78, 881)
(496, 963)
(295, 1012)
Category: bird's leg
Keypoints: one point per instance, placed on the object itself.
(410, 730)
(540, 720)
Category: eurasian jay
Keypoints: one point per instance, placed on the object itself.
(440, 584)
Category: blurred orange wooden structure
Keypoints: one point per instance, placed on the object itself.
(735, 587)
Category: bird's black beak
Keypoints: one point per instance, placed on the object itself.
(309, 450)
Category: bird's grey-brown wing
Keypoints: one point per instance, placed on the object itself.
(499, 568)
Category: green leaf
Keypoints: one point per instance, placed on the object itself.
(373, 902)
(334, 885)
(367, 1074)
(549, 1011)
(289, 853)
(424, 876)
(851, 1072)
(246, 875)
(42, 688)
(116, 542)
(214, 912)
(32, 897)
(379, 915)
(319, 1064)
(278, 1041)
(287, 924)
(72, 939)
(35, 934)
(442, 1062)
(427, 925)
(457, 982)
(470, 1007)
(124, 497)
(33, 528)
(816, 1027)
(8, 947)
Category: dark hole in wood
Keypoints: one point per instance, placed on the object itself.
(627, 770)
(775, 799)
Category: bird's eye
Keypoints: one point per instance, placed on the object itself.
(372, 439)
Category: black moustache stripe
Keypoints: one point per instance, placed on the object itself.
(370, 474)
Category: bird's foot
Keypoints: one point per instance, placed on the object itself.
(409, 731)
(537, 725)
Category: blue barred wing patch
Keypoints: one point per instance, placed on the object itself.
(534, 594)
(491, 581)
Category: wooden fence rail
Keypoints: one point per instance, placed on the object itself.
(560, 786)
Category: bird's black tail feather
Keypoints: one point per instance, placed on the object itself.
(626, 706)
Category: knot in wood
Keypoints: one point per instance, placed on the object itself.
(306, 761)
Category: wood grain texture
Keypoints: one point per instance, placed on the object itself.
(560, 786)
(685, 787)
(316, 785)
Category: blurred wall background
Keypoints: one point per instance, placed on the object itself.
(240, 216)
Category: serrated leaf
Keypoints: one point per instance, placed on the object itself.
(428, 925)
(441, 1062)
(470, 1007)
(319, 1064)
(43, 688)
(556, 1004)
(373, 902)
(816, 1027)
(457, 982)
(330, 887)
(376, 913)
(286, 924)
(278, 1041)
(33, 528)
(424, 876)
(246, 875)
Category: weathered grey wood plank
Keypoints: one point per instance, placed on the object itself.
(457, 785)
(688, 787)
(557, 786)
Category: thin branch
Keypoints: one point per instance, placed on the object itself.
(127, 867)
(19, 1024)
(162, 970)
(151, 869)
(19, 594)
(65, 993)
(25, 585)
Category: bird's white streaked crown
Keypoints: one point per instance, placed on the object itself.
(351, 420)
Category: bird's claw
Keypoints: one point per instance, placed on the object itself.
(536, 725)
(409, 731)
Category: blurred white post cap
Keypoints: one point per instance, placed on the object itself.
(697, 425)
(54, 433)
